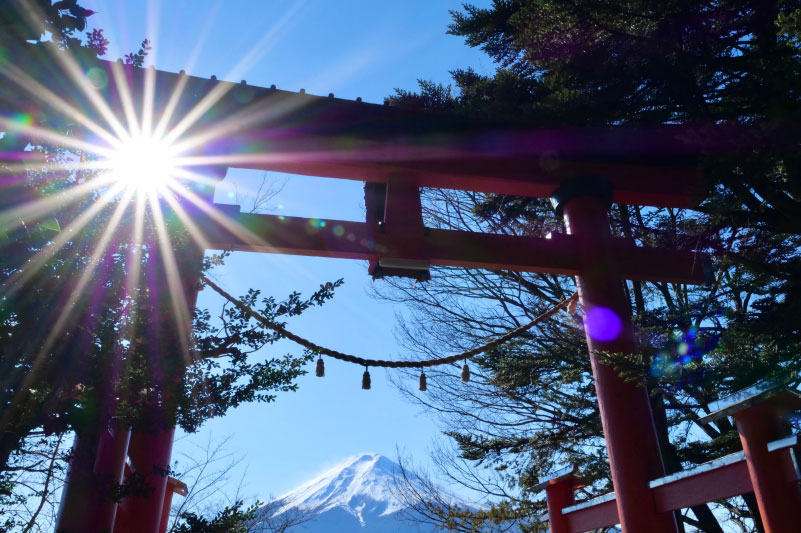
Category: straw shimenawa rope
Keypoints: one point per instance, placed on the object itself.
(384, 363)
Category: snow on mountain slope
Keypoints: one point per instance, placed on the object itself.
(354, 496)
(360, 485)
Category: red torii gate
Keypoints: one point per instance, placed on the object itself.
(582, 170)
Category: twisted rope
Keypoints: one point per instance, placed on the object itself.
(381, 362)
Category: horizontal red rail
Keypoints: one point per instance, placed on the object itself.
(225, 228)
(717, 480)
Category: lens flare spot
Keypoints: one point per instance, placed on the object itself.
(339, 231)
(22, 119)
(97, 77)
(244, 95)
(682, 348)
(663, 366)
(602, 324)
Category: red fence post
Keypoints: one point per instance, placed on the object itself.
(150, 455)
(558, 496)
(778, 498)
(560, 487)
(628, 424)
(96, 467)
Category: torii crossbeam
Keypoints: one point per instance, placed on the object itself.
(397, 151)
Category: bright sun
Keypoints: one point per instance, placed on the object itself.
(145, 163)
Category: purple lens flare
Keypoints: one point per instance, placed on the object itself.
(602, 324)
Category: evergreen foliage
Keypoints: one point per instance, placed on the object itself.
(89, 333)
(636, 63)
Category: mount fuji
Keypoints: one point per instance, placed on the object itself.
(354, 496)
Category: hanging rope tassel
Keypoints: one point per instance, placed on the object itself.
(320, 367)
(366, 379)
(573, 305)
(465, 373)
(423, 385)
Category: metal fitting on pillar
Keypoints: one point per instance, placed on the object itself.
(581, 186)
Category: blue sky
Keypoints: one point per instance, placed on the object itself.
(351, 48)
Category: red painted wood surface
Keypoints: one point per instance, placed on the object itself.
(174, 486)
(595, 517)
(86, 505)
(226, 228)
(239, 125)
(559, 495)
(725, 482)
(778, 495)
(625, 410)
(150, 455)
(713, 485)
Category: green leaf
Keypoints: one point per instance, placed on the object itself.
(51, 224)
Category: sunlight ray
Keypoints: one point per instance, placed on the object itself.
(39, 91)
(148, 98)
(73, 70)
(52, 136)
(30, 212)
(19, 279)
(90, 92)
(182, 170)
(259, 50)
(137, 240)
(67, 313)
(153, 27)
(242, 233)
(172, 104)
(149, 89)
(200, 108)
(223, 220)
(246, 160)
(180, 308)
(202, 36)
(126, 99)
(180, 212)
(177, 91)
(100, 248)
(36, 158)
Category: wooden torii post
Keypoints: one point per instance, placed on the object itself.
(397, 152)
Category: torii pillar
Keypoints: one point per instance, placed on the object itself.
(628, 424)
(150, 452)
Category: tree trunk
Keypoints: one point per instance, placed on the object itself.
(706, 519)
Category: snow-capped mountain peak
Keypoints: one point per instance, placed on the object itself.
(355, 496)
(360, 485)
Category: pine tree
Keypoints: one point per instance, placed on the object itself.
(88, 330)
(637, 63)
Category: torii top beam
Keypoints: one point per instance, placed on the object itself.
(244, 126)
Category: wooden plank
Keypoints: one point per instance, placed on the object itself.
(716, 480)
(240, 125)
(719, 479)
(226, 228)
(592, 514)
